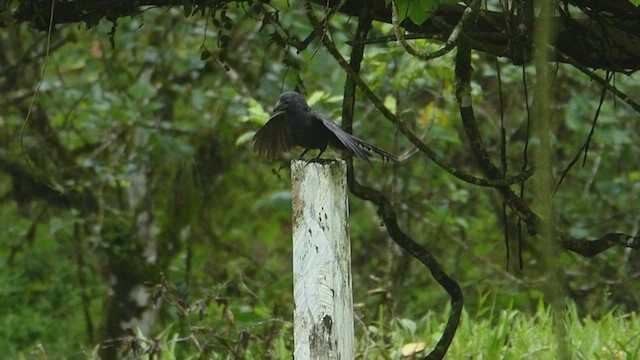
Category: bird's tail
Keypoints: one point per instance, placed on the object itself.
(370, 149)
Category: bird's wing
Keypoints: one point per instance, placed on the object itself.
(357, 147)
(272, 139)
(348, 141)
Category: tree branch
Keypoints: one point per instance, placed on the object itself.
(388, 214)
(594, 247)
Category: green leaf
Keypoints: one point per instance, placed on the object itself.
(418, 11)
(614, 136)
(142, 91)
(390, 103)
(246, 137)
(315, 97)
(635, 2)
(408, 324)
(257, 114)
(186, 8)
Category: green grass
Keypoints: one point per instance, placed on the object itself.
(496, 334)
(510, 334)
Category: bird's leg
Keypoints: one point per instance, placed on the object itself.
(302, 155)
(322, 149)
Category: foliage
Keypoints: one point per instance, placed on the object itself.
(417, 11)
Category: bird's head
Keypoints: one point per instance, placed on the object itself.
(288, 99)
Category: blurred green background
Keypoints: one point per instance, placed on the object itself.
(132, 194)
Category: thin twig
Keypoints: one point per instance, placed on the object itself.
(37, 90)
(585, 146)
(614, 90)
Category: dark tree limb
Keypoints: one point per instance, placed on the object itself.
(594, 247)
(388, 214)
(357, 55)
(463, 94)
(79, 252)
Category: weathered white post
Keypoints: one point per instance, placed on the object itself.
(323, 316)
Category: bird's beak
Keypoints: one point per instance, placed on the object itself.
(279, 107)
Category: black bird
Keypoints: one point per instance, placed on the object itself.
(295, 123)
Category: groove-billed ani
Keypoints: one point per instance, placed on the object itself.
(295, 123)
